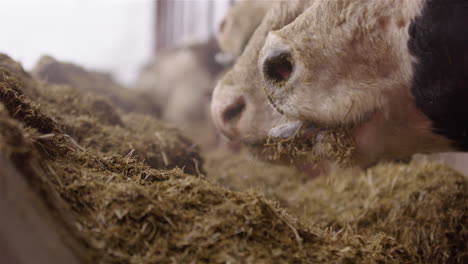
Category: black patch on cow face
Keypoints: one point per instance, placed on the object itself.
(439, 41)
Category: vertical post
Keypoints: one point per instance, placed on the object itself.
(161, 25)
(192, 18)
(170, 25)
(176, 20)
(210, 20)
(181, 20)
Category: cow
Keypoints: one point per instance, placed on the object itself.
(394, 74)
(181, 80)
(237, 27)
(239, 106)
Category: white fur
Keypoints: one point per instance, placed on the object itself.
(239, 24)
(243, 80)
(353, 68)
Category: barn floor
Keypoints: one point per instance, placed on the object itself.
(127, 188)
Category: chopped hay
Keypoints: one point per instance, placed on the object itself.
(335, 145)
(423, 206)
(124, 211)
(94, 123)
(55, 72)
(21, 107)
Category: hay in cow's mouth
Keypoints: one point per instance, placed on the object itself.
(309, 141)
(336, 145)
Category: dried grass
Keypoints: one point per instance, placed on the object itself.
(55, 72)
(125, 211)
(94, 123)
(335, 145)
(424, 206)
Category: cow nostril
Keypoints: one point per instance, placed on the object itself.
(279, 68)
(234, 111)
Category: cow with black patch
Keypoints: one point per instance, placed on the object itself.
(393, 73)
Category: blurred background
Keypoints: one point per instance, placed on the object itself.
(156, 57)
(115, 36)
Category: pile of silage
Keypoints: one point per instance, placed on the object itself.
(54, 72)
(124, 211)
(93, 122)
(423, 206)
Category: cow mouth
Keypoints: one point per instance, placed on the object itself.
(286, 132)
(294, 141)
(307, 143)
(300, 141)
(293, 129)
(307, 129)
